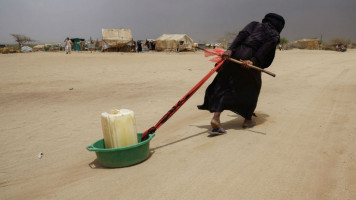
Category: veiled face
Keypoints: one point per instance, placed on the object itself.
(275, 20)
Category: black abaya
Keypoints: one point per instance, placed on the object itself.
(236, 88)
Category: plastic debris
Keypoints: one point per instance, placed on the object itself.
(40, 155)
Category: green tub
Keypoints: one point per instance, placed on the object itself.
(124, 156)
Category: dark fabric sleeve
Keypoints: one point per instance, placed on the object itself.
(255, 62)
(265, 54)
(242, 35)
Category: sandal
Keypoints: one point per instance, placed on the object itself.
(219, 131)
(248, 124)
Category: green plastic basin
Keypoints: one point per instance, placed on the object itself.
(124, 156)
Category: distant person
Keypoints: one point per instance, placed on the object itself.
(280, 47)
(133, 46)
(343, 48)
(68, 45)
(153, 45)
(139, 46)
(149, 45)
(236, 87)
(90, 45)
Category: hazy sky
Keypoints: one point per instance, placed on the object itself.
(202, 20)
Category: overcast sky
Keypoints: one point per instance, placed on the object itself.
(202, 20)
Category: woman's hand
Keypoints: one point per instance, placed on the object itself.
(245, 63)
(227, 54)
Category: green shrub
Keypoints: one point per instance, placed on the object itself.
(340, 41)
(283, 41)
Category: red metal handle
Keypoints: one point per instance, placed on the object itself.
(180, 102)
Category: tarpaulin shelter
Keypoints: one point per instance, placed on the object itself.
(116, 39)
(26, 49)
(52, 46)
(39, 47)
(174, 42)
(76, 43)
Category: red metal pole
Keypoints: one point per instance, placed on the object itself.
(179, 104)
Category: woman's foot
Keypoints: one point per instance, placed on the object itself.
(248, 123)
(215, 124)
(216, 128)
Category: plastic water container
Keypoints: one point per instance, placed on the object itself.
(119, 128)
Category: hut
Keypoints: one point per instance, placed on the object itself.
(174, 42)
(116, 39)
(39, 47)
(310, 44)
(52, 47)
(77, 43)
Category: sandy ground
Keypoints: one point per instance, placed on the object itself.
(303, 147)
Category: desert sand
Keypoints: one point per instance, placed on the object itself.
(303, 147)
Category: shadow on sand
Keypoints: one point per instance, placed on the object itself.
(234, 124)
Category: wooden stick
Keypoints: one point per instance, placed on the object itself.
(253, 67)
(239, 62)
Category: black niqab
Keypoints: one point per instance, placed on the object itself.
(275, 20)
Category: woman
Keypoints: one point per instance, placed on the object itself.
(236, 87)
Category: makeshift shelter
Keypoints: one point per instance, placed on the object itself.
(116, 39)
(77, 44)
(26, 49)
(82, 45)
(310, 44)
(39, 47)
(6, 50)
(174, 42)
(151, 44)
(52, 47)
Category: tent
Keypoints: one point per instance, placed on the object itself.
(174, 42)
(76, 43)
(116, 39)
(39, 47)
(26, 49)
(52, 47)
